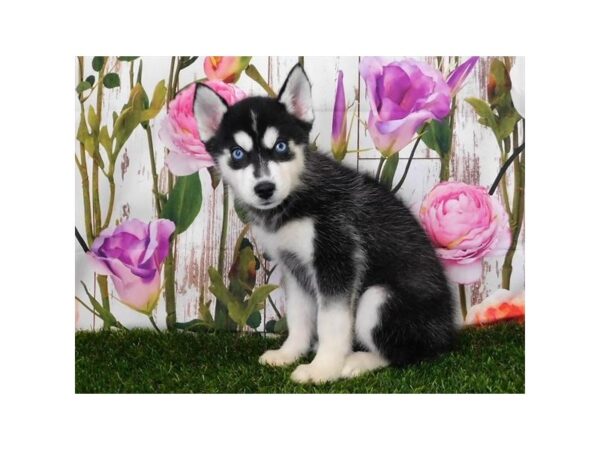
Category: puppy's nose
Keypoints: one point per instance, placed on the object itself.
(264, 189)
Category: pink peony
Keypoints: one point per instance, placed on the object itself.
(465, 224)
(179, 130)
(132, 255)
(225, 68)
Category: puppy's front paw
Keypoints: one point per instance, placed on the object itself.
(316, 373)
(277, 358)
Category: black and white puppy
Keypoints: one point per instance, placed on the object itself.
(359, 273)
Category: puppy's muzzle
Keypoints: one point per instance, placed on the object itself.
(264, 189)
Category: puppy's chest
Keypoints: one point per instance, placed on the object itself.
(295, 237)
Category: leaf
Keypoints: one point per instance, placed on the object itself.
(105, 139)
(184, 202)
(438, 136)
(158, 101)
(270, 326)
(91, 79)
(124, 126)
(258, 297)
(187, 61)
(194, 325)
(389, 170)
(127, 58)
(280, 326)
(507, 123)
(234, 306)
(106, 315)
(484, 111)
(254, 320)
(498, 84)
(83, 86)
(98, 63)
(111, 80)
(93, 120)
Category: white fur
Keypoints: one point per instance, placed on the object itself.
(270, 137)
(368, 315)
(358, 363)
(296, 96)
(296, 236)
(243, 139)
(301, 318)
(334, 328)
(208, 110)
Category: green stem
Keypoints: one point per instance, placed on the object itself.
(83, 171)
(253, 73)
(157, 200)
(445, 167)
(170, 287)
(379, 167)
(224, 225)
(463, 300)
(154, 323)
(103, 285)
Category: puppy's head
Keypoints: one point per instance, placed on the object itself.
(258, 143)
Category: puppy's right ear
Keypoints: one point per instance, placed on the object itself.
(209, 109)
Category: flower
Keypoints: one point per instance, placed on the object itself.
(132, 255)
(465, 224)
(225, 68)
(501, 305)
(457, 78)
(517, 92)
(179, 129)
(403, 96)
(339, 126)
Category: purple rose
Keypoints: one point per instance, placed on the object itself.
(403, 96)
(132, 255)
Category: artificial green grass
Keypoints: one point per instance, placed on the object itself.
(489, 359)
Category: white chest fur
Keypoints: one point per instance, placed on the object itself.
(296, 236)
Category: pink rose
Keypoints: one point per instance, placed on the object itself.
(179, 130)
(132, 255)
(465, 224)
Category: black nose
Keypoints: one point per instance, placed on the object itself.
(264, 189)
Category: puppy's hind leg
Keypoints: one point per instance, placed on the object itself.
(301, 322)
(368, 316)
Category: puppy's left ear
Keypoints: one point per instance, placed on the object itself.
(209, 109)
(295, 95)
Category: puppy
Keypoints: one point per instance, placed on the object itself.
(359, 273)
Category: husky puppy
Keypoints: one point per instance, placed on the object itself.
(359, 273)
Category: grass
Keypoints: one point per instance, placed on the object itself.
(489, 359)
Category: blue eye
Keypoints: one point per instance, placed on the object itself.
(238, 154)
(281, 147)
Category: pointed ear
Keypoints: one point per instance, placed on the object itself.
(209, 109)
(295, 95)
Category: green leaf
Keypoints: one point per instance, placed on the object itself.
(187, 61)
(184, 202)
(127, 58)
(111, 80)
(270, 326)
(254, 320)
(506, 123)
(257, 299)
(158, 101)
(93, 120)
(498, 84)
(194, 325)
(280, 326)
(98, 62)
(106, 315)
(484, 111)
(124, 126)
(91, 79)
(389, 170)
(83, 86)
(438, 136)
(105, 139)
